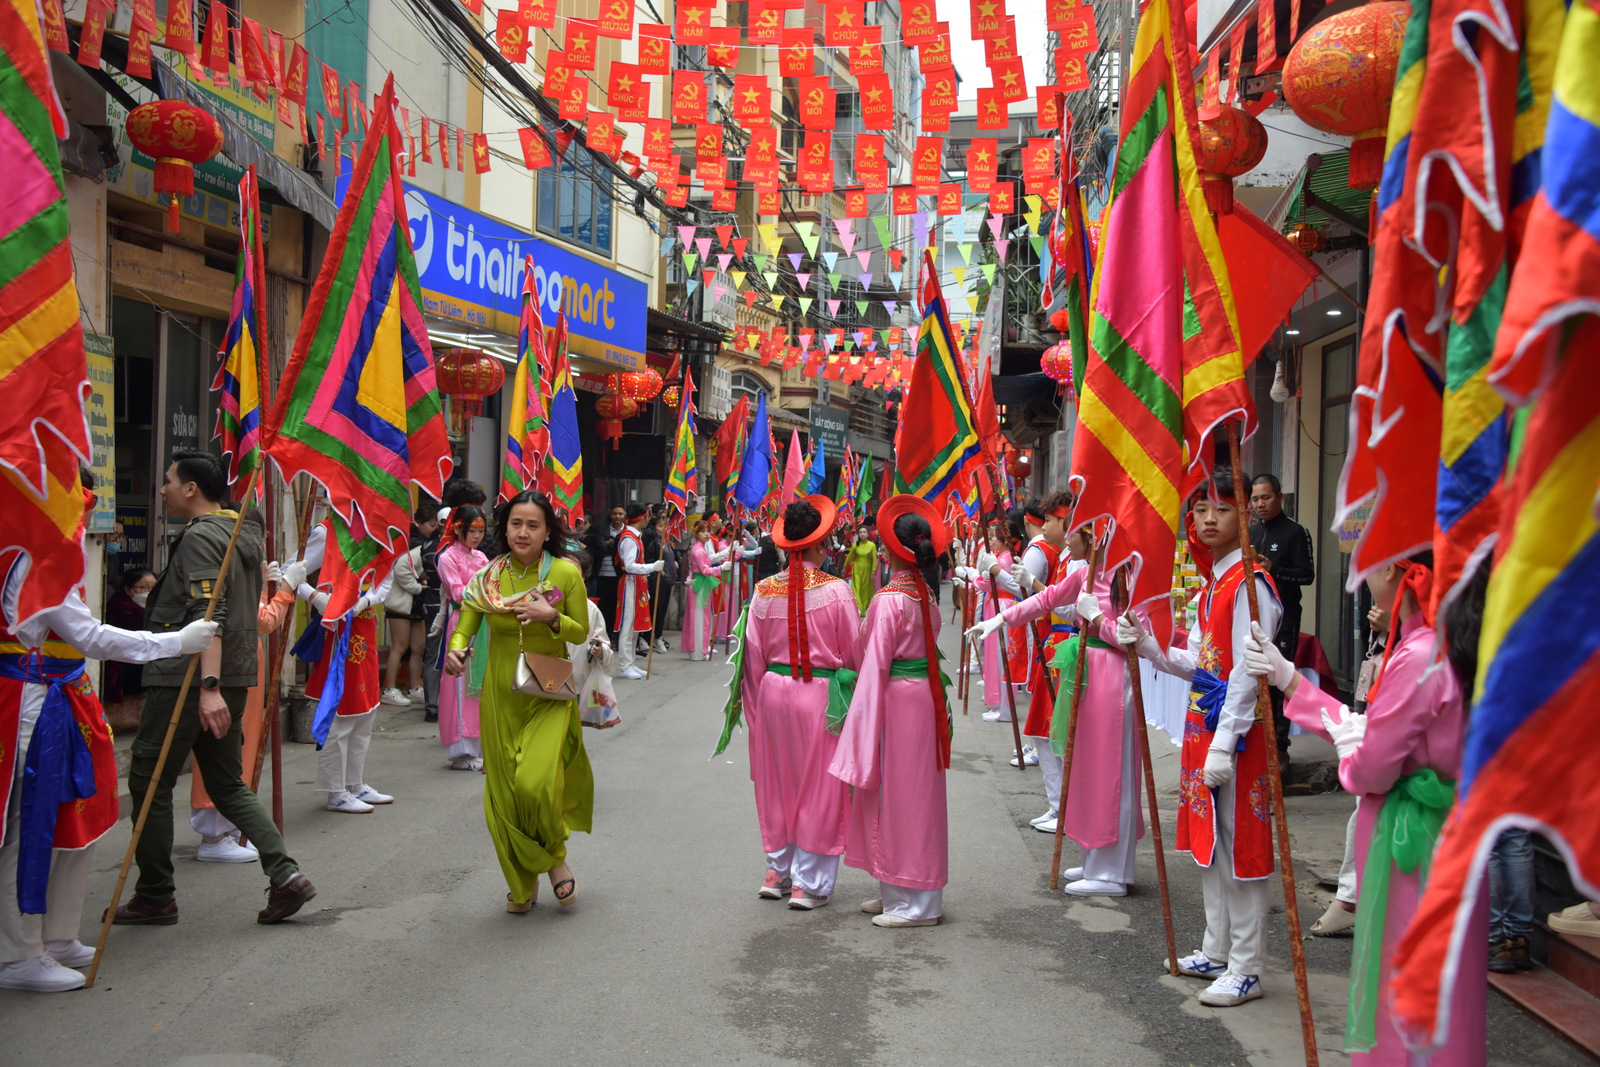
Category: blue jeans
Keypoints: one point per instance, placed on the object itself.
(1511, 886)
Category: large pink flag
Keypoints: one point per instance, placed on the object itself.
(794, 469)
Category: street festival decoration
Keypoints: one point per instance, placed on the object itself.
(177, 135)
(465, 377)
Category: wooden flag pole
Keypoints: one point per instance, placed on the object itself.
(1072, 722)
(650, 660)
(966, 696)
(1291, 901)
(276, 651)
(1136, 687)
(1011, 697)
(166, 743)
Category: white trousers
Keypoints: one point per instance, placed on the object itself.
(23, 936)
(209, 823)
(1051, 765)
(1347, 869)
(466, 746)
(779, 862)
(344, 754)
(911, 903)
(1236, 911)
(626, 638)
(814, 873)
(1114, 863)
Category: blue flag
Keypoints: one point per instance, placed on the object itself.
(756, 470)
(819, 471)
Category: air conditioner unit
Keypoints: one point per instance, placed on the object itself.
(716, 394)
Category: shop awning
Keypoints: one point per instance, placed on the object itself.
(1321, 195)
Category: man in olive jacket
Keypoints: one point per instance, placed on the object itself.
(194, 489)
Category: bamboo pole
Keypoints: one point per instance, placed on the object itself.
(278, 647)
(1011, 698)
(650, 660)
(1291, 901)
(166, 744)
(1072, 722)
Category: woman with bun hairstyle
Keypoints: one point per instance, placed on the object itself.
(703, 575)
(894, 747)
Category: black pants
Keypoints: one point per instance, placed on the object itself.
(1288, 643)
(660, 607)
(606, 586)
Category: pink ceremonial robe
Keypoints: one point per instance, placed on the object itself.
(1415, 721)
(458, 713)
(1095, 789)
(797, 801)
(888, 750)
(699, 608)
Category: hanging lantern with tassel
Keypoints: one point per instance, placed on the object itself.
(1231, 143)
(613, 408)
(466, 376)
(639, 385)
(1056, 362)
(1306, 238)
(177, 135)
(1019, 466)
(670, 397)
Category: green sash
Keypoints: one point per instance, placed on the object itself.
(1407, 829)
(1066, 658)
(704, 584)
(842, 683)
(733, 710)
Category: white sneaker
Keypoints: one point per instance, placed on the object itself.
(632, 673)
(1046, 817)
(699, 657)
(894, 922)
(394, 698)
(40, 974)
(1046, 826)
(70, 953)
(225, 849)
(1199, 965)
(461, 763)
(1029, 756)
(1072, 874)
(475, 763)
(368, 795)
(661, 645)
(873, 906)
(346, 804)
(803, 901)
(418, 695)
(996, 716)
(1231, 990)
(1090, 887)
(641, 647)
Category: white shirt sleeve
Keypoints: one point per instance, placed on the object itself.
(628, 551)
(74, 624)
(316, 546)
(1180, 662)
(719, 556)
(381, 593)
(1239, 707)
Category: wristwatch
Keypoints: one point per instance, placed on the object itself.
(210, 682)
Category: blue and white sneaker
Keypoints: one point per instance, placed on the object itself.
(1199, 965)
(1231, 990)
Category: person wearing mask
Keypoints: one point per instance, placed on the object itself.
(210, 721)
(1283, 550)
(633, 591)
(125, 610)
(458, 560)
(894, 746)
(602, 548)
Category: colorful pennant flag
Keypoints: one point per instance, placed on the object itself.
(683, 481)
(241, 381)
(527, 431)
(937, 402)
(562, 477)
(756, 467)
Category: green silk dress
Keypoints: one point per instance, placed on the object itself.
(539, 785)
(863, 571)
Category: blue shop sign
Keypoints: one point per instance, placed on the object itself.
(470, 268)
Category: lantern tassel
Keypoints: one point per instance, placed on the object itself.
(172, 214)
(1219, 194)
(1366, 160)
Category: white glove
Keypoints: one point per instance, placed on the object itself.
(363, 605)
(724, 568)
(1130, 633)
(1088, 609)
(1219, 768)
(294, 574)
(658, 566)
(986, 629)
(1023, 577)
(1345, 734)
(1263, 660)
(986, 563)
(196, 637)
(271, 573)
(319, 602)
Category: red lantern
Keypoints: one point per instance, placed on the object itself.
(639, 385)
(177, 136)
(1306, 238)
(1019, 465)
(466, 376)
(1339, 77)
(1231, 144)
(613, 408)
(1056, 362)
(1060, 319)
(670, 396)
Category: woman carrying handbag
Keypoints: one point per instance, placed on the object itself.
(539, 785)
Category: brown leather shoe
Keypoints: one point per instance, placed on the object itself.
(140, 912)
(286, 899)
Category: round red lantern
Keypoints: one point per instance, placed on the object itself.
(1056, 362)
(1019, 465)
(177, 135)
(639, 385)
(671, 395)
(1231, 143)
(1339, 77)
(1306, 238)
(613, 408)
(466, 376)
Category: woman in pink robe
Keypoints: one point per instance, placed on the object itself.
(894, 747)
(702, 578)
(1103, 814)
(801, 808)
(458, 701)
(1415, 723)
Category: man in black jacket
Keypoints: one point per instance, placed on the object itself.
(1283, 550)
(601, 544)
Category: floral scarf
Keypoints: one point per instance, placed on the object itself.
(486, 593)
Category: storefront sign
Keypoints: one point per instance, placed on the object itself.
(832, 426)
(1350, 529)
(102, 431)
(470, 267)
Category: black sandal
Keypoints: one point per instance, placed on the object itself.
(519, 908)
(571, 895)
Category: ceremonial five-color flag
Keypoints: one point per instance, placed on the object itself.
(937, 404)
(527, 431)
(241, 381)
(755, 469)
(562, 478)
(683, 480)
(44, 433)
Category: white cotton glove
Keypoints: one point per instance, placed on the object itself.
(271, 573)
(1088, 609)
(319, 602)
(658, 566)
(986, 629)
(1345, 734)
(986, 563)
(1023, 577)
(1130, 633)
(294, 574)
(1219, 768)
(363, 605)
(196, 637)
(1263, 660)
(725, 568)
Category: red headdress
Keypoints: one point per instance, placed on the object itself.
(799, 638)
(892, 509)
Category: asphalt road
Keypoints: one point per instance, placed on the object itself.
(407, 955)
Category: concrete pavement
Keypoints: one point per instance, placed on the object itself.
(407, 955)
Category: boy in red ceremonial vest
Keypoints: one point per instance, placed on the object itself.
(633, 590)
(1224, 814)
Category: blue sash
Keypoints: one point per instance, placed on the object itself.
(332, 684)
(58, 769)
(1210, 693)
